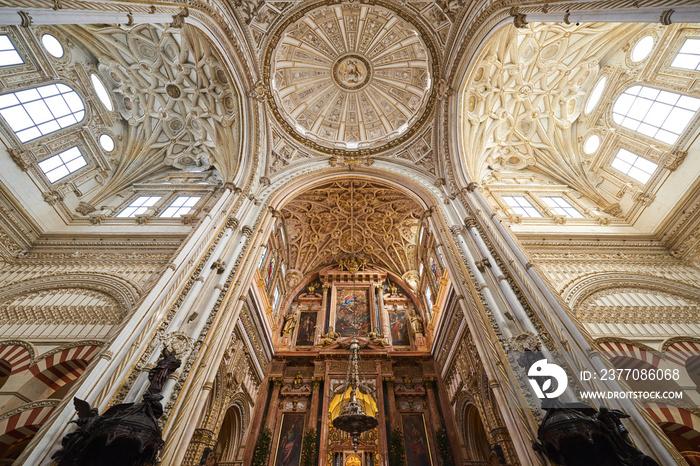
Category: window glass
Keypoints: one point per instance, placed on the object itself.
(561, 207)
(63, 164)
(139, 206)
(262, 256)
(180, 206)
(52, 45)
(688, 57)
(8, 52)
(592, 144)
(633, 165)
(107, 142)
(596, 94)
(275, 298)
(39, 111)
(429, 297)
(442, 259)
(661, 115)
(521, 206)
(101, 92)
(642, 49)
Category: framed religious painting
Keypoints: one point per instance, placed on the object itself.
(415, 438)
(307, 328)
(288, 451)
(398, 327)
(352, 312)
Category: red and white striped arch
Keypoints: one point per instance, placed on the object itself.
(56, 370)
(680, 352)
(22, 424)
(676, 420)
(617, 349)
(16, 355)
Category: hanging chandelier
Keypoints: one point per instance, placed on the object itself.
(352, 418)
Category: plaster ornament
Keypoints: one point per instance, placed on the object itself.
(366, 77)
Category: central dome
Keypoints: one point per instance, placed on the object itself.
(350, 77)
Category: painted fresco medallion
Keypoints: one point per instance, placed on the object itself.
(350, 77)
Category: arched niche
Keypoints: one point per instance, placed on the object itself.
(475, 437)
(231, 433)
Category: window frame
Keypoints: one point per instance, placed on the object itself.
(16, 50)
(644, 121)
(70, 174)
(571, 205)
(171, 202)
(619, 172)
(682, 44)
(132, 200)
(520, 195)
(13, 93)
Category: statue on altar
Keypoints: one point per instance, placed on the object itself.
(416, 323)
(329, 338)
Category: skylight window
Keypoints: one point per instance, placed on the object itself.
(52, 45)
(561, 207)
(39, 111)
(688, 56)
(642, 49)
(101, 92)
(592, 144)
(107, 142)
(521, 206)
(8, 52)
(633, 165)
(63, 164)
(596, 94)
(139, 206)
(661, 115)
(180, 206)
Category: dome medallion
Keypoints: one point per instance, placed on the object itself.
(350, 77)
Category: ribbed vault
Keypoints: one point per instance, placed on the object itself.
(320, 226)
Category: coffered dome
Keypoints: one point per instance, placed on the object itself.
(350, 77)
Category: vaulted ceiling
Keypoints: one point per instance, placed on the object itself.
(336, 220)
(179, 109)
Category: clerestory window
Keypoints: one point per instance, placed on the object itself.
(139, 206)
(521, 206)
(43, 110)
(560, 206)
(661, 115)
(633, 165)
(9, 55)
(61, 165)
(688, 57)
(180, 206)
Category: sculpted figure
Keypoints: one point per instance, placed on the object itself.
(329, 338)
(290, 322)
(416, 322)
(376, 339)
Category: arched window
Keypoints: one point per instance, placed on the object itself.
(661, 115)
(39, 111)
